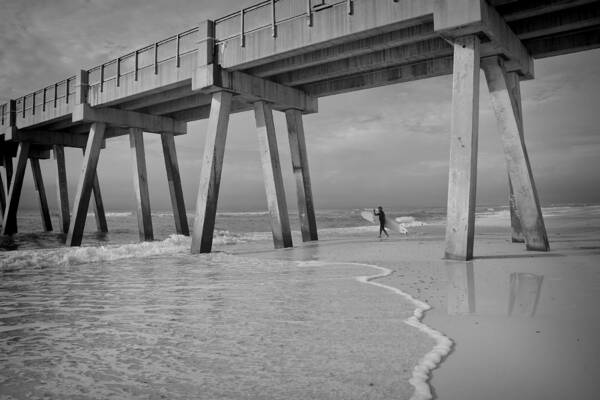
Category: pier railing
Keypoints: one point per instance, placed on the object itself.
(58, 99)
(268, 14)
(149, 58)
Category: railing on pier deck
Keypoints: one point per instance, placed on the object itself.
(132, 73)
(268, 14)
(162, 63)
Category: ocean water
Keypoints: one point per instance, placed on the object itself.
(121, 319)
(231, 227)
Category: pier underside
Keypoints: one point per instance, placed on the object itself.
(283, 55)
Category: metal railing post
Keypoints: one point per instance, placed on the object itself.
(156, 58)
(136, 61)
(118, 71)
(273, 22)
(309, 12)
(102, 78)
(177, 59)
(242, 37)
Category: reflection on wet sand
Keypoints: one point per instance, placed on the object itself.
(523, 290)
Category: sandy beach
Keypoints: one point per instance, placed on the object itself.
(339, 318)
(524, 324)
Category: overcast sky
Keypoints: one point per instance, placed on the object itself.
(385, 146)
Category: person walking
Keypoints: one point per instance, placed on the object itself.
(381, 215)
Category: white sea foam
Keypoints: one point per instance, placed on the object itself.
(409, 222)
(434, 357)
(162, 214)
(64, 256)
(350, 230)
(243, 214)
(493, 218)
(113, 214)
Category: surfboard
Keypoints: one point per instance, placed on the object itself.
(389, 222)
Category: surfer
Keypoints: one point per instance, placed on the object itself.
(381, 215)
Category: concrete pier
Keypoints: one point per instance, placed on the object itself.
(282, 56)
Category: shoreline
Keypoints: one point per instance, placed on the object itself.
(551, 355)
(525, 323)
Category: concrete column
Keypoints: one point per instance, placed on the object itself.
(210, 174)
(9, 225)
(38, 182)
(175, 188)
(6, 172)
(84, 187)
(507, 112)
(140, 184)
(515, 223)
(462, 179)
(514, 86)
(269, 154)
(306, 210)
(2, 198)
(99, 214)
(62, 191)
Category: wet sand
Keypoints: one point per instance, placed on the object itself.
(525, 324)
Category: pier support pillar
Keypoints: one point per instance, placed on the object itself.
(86, 181)
(506, 107)
(140, 184)
(210, 173)
(6, 172)
(514, 86)
(306, 209)
(2, 199)
(9, 225)
(462, 179)
(175, 188)
(269, 154)
(99, 214)
(62, 191)
(38, 182)
(516, 231)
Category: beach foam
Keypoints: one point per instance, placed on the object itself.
(64, 256)
(409, 222)
(421, 372)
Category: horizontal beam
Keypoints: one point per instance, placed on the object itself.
(203, 112)
(564, 44)
(195, 100)
(156, 98)
(532, 8)
(558, 22)
(366, 80)
(497, 3)
(51, 138)
(414, 52)
(210, 79)
(128, 119)
(367, 45)
(39, 152)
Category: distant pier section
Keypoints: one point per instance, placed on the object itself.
(283, 55)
